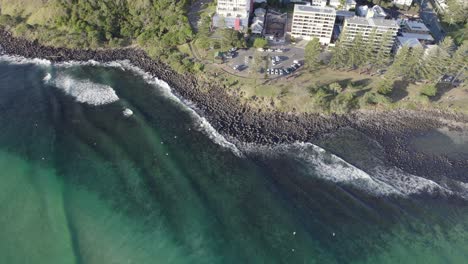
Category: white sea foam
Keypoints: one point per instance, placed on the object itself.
(85, 91)
(97, 94)
(380, 181)
(201, 123)
(47, 78)
(18, 60)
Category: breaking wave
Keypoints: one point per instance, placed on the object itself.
(18, 60)
(98, 94)
(47, 78)
(201, 123)
(84, 91)
(380, 181)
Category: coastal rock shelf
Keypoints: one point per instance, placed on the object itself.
(392, 130)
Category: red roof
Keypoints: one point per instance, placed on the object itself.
(237, 24)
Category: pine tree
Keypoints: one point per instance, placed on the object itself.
(399, 62)
(432, 68)
(448, 45)
(437, 59)
(385, 86)
(339, 52)
(312, 54)
(355, 55)
(414, 66)
(457, 12)
(382, 57)
(459, 64)
(335, 88)
(368, 53)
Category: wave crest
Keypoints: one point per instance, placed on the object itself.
(84, 91)
(379, 181)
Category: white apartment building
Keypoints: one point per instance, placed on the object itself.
(321, 3)
(313, 22)
(233, 13)
(365, 26)
(403, 2)
(234, 8)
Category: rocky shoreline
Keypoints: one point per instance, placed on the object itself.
(393, 130)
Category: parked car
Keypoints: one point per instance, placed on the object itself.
(236, 67)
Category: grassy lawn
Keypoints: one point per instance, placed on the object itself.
(293, 94)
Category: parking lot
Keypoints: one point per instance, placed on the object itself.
(287, 56)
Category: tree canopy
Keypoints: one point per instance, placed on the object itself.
(312, 54)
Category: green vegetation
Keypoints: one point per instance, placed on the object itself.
(429, 90)
(352, 80)
(414, 64)
(457, 12)
(385, 86)
(331, 98)
(312, 54)
(358, 54)
(260, 43)
(158, 26)
(231, 38)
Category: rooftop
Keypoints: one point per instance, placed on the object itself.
(410, 42)
(418, 36)
(314, 9)
(344, 13)
(379, 22)
(414, 25)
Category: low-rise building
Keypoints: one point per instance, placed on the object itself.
(414, 27)
(365, 26)
(258, 22)
(313, 22)
(406, 41)
(373, 12)
(425, 39)
(403, 2)
(321, 3)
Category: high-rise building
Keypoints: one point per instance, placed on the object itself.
(366, 26)
(234, 8)
(233, 13)
(313, 22)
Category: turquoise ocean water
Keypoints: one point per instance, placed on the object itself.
(81, 183)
